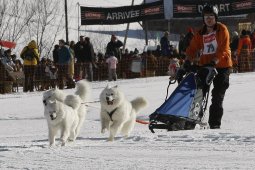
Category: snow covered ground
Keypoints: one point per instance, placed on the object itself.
(24, 134)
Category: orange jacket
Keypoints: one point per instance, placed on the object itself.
(222, 53)
(244, 43)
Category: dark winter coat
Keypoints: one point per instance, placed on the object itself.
(234, 43)
(114, 47)
(89, 55)
(55, 55)
(79, 51)
(165, 46)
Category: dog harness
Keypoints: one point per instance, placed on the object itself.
(111, 113)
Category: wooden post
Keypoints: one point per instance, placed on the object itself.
(125, 39)
(66, 19)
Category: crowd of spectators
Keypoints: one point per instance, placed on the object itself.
(243, 51)
(74, 61)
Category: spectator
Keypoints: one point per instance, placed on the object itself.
(30, 55)
(71, 62)
(18, 65)
(253, 49)
(157, 52)
(114, 46)
(7, 60)
(244, 52)
(126, 53)
(187, 39)
(51, 73)
(165, 44)
(41, 78)
(79, 51)
(55, 53)
(253, 40)
(151, 64)
(89, 59)
(124, 64)
(181, 45)
(64, 58)
(234, 47)
(234, 41)
(112, 66)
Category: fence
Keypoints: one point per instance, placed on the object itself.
(48, 75)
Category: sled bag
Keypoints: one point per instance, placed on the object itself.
(185, 101)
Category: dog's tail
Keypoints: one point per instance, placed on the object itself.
(138, 103)
(73, 101)
(83, 89)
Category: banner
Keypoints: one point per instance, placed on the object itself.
(120, 15)
(193, 8)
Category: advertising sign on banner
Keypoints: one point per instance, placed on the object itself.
(193, 8)
(120, 15)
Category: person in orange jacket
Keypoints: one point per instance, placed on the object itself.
(212, 44)
(244, 52)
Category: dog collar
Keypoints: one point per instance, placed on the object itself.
(111, 113)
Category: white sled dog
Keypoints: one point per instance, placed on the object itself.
(63, 118)
(76, 102)
(117, 113)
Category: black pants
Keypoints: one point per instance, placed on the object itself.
(29, 72)
(221, 84)
(86, 69)
(63, 77)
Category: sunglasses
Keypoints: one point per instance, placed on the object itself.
(209, 17)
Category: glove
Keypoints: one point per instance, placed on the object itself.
(212, 63)
(187, 65)
(180, 74)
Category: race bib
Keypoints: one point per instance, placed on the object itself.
(210, 43)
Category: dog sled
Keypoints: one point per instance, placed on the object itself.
(186, 106)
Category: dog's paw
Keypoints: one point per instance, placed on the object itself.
(126, 136)
(70, 140)
(62, 142)
(52, 145)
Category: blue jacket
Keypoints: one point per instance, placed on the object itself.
(64, 55)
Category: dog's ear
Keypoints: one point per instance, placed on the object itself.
(116, 86)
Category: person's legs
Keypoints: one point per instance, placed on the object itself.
(89, 71)
(114, 74)
(110, 74)
(221, 84)
(26, 73)
(61, 73)
(32, 78)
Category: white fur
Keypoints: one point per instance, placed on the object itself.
(75, 101)
(124, 118)
(63, 118)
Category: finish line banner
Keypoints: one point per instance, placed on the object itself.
(193, 8)
(120, 15)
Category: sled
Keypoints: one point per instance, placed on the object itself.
(186, 106)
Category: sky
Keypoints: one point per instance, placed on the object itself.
(24, 133)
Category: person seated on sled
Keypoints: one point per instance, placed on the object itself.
(212, 41)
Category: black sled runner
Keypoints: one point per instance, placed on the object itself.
(186, 106)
